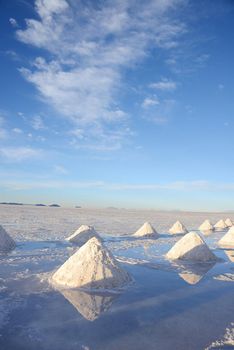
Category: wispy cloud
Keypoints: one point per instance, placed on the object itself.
(3, 131)
(160, 113)
(37, 123)
(13, 22)
(149, 102)
(17, 130)
(17, 154)
(164, 85)
(59, 169)
(187, 186)
(3, 134)
(91, 47)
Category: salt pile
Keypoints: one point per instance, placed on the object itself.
(146, 230)
(93, 266)
(191, 247)
(177, 228)
(228, 222)
(6, 242)
(83, 234)
(231, 229)
(220, 225)
(228, 238)
(90, 306)
(206, 226)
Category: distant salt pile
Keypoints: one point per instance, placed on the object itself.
(6, 242)
(228, 238)
(220, 225)
(83, 234)
(206, 226)
(228, 222)
(191, 247)
(146, 230)
(178, 228)
(93, 267)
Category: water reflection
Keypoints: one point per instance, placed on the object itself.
(89, 305)
(230, 254)
(227, 342)
(207, 233)
(193, 273)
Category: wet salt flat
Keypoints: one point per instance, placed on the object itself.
(169, 305)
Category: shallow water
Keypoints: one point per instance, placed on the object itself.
(168, 306)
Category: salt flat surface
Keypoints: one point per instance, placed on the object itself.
(170, 305)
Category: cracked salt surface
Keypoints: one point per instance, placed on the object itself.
(171, 305)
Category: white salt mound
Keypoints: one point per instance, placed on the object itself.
(146, 230)
(191, 247)
(228, 222)
(206, 226)
(231, 229)
(6, 242)
(177, 228)
(93, 267)
(83, 234)
(228, 238)
(220, 224)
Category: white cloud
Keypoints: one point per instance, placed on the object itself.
(161, 113)
(13, 22)
(3, 134)
(157, 119)
(164, 85)
(91, 48)
(3, 131)
(187, 186)
(149, 102)
(37, 123)
(78, 133)
(16, 154)
(17, 131)
(59, 169)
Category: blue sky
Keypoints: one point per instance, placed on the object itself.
(122, 103)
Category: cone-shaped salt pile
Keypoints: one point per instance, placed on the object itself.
(206, 226)
(220, 225)
(228, 238)
(146, 230)
(177, 228)
(191, 247)
(93, 266)
(228, 222)
(83, 234)
(6, 242)
(231, 229)
(90, 306)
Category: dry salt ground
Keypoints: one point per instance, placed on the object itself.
(170, 304)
